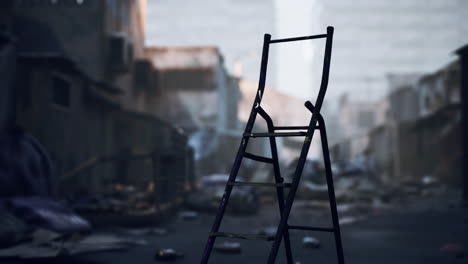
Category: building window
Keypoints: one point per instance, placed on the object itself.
(366, 118)
(60, 92)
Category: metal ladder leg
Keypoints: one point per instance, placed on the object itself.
(223, 203)
(280, 193)
(283, 225)
(240, 153)
(331, 190)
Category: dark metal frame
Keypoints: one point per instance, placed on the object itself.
(284, 206)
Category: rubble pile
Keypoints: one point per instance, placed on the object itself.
(118, 198)
(210, 189)
(38, 227)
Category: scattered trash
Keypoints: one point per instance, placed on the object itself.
(167, 254)
(43, 236)
(102, 242)
(347, 220)
(31, 251)
(345, 208)
(311, 191)
(47, 244)
(188, 215)
(243, 200)
(145, 231)
(266, 231)
(39, 212)
(313, 172)
(310, 242)
(118, 198)
(429, 180)
(228, 247)
(316, 205)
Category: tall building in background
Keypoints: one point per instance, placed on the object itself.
(374, 38)
(294, 72)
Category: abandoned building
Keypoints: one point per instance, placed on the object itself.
(87, 73)
(120, 121)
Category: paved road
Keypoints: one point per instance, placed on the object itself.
(402, 236)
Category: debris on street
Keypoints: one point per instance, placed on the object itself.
(46, 244)
(118, 198)
(149, 231)
(167, 254)
(39, 212)
(266, 231)
(310, 242)
(244, 199)
(188, 215)
(228, 247)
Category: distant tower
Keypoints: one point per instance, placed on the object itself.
(294, 71)
(377, 37)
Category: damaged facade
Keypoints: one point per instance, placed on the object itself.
(85, 91)
(201, 97)
(416, 129)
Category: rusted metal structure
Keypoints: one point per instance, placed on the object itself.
(316, 122)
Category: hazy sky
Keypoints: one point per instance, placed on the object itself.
(373, 38)
(237, 28)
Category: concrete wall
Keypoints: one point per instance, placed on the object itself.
(90, 128)
(81, 35)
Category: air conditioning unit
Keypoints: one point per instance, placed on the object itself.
(143, 75)
(120, 52)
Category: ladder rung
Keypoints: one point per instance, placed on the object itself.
(258, 158)
(242, 236)
(293, 127)
(284, 134)
(298, 38)
(260, 184)
(322, 229)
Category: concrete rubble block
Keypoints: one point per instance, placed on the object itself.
(228, 247)
(188, 215)
(310, 242)
(167, 254)
(150, 231)
(266, 231)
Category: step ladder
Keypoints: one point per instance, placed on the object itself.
(316, 122)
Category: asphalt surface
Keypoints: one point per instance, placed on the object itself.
(406, 235)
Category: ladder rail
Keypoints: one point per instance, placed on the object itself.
(330, 185)
(305, 149)
(278, 180)
(240, 153)
(325, 71)
(285, 206)
(331, 190)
